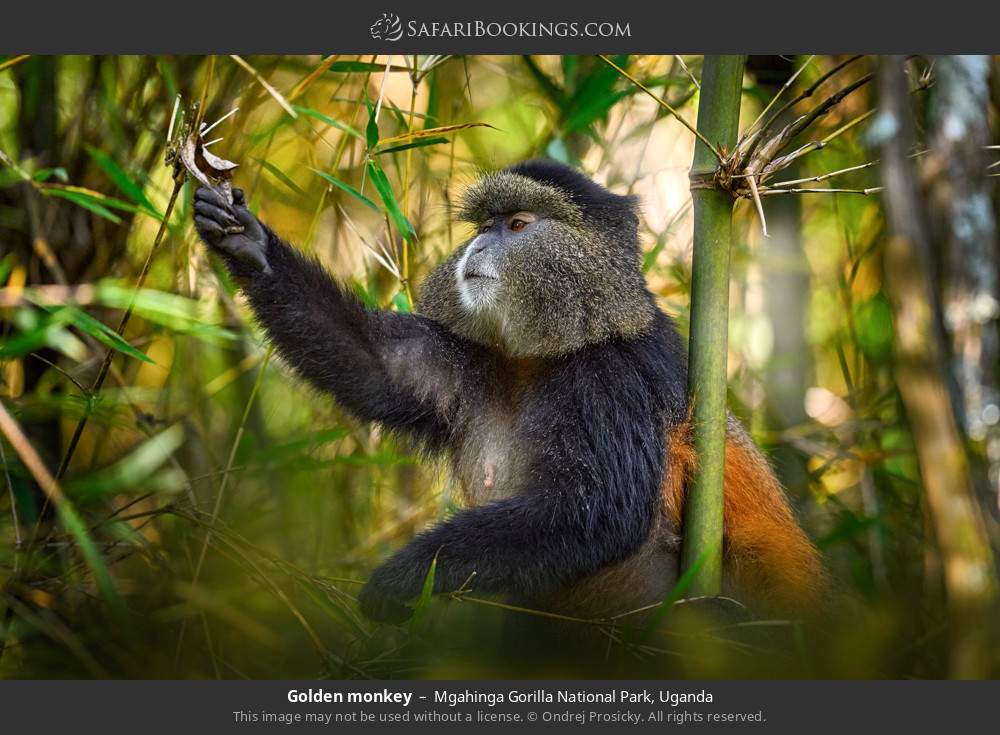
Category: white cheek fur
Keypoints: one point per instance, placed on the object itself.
(468, 300)
(474, 296)
(482, 301)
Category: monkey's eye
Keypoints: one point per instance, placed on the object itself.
(521, 220)
(484, 227)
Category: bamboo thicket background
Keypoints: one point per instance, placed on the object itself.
(216, 517)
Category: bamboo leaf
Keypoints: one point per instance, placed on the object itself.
(401, 302)
(396, 113)
(344, 186)
(371, 130)
(280, 175)
(594, 96)
(172, 311)
(87, 202)
(36, 331)
(7, 264)
(557, 150)
(309, 112)
(278, 97)
(570, 66)
(44, 174)
(169, 80)
(432, 132)
(354, 67)
(649, 259)
(294, 448)
(303, 85)
(89, 198)
(101, 332)
(406, 146)
(130, 188)
(552, 91)
(592, 109)
(364, 294)
(383, 459)
(433, 98)
(381, 183)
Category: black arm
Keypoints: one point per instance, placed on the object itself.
(400, 370)
(592, 498)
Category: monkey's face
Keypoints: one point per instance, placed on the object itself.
(479, 272)
(540, 276)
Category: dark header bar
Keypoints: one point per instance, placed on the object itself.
(511, 27)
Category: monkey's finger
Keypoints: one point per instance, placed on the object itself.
(205, 194)
(246, 218)
(209, 229)
(224, 217)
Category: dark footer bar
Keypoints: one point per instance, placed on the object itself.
(558, 706)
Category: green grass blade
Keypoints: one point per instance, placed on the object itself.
(423, 602)
(136, 468)
(677, 592)
(102, 575)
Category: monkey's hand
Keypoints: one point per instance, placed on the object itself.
(231, 229)
(383, 601)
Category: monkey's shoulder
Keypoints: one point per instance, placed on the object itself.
(649, 369)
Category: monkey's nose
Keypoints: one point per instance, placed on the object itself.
(479, 244)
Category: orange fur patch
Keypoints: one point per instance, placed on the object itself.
(773, 564)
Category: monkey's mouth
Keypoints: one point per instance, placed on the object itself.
(478, 282)
(471, 274)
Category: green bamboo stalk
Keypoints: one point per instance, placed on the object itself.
(718, 121)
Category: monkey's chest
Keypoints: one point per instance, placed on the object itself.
(489, 461)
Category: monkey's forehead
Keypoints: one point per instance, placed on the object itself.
(504, 192)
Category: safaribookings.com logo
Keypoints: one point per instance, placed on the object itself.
(387, 28)
(390, 28)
